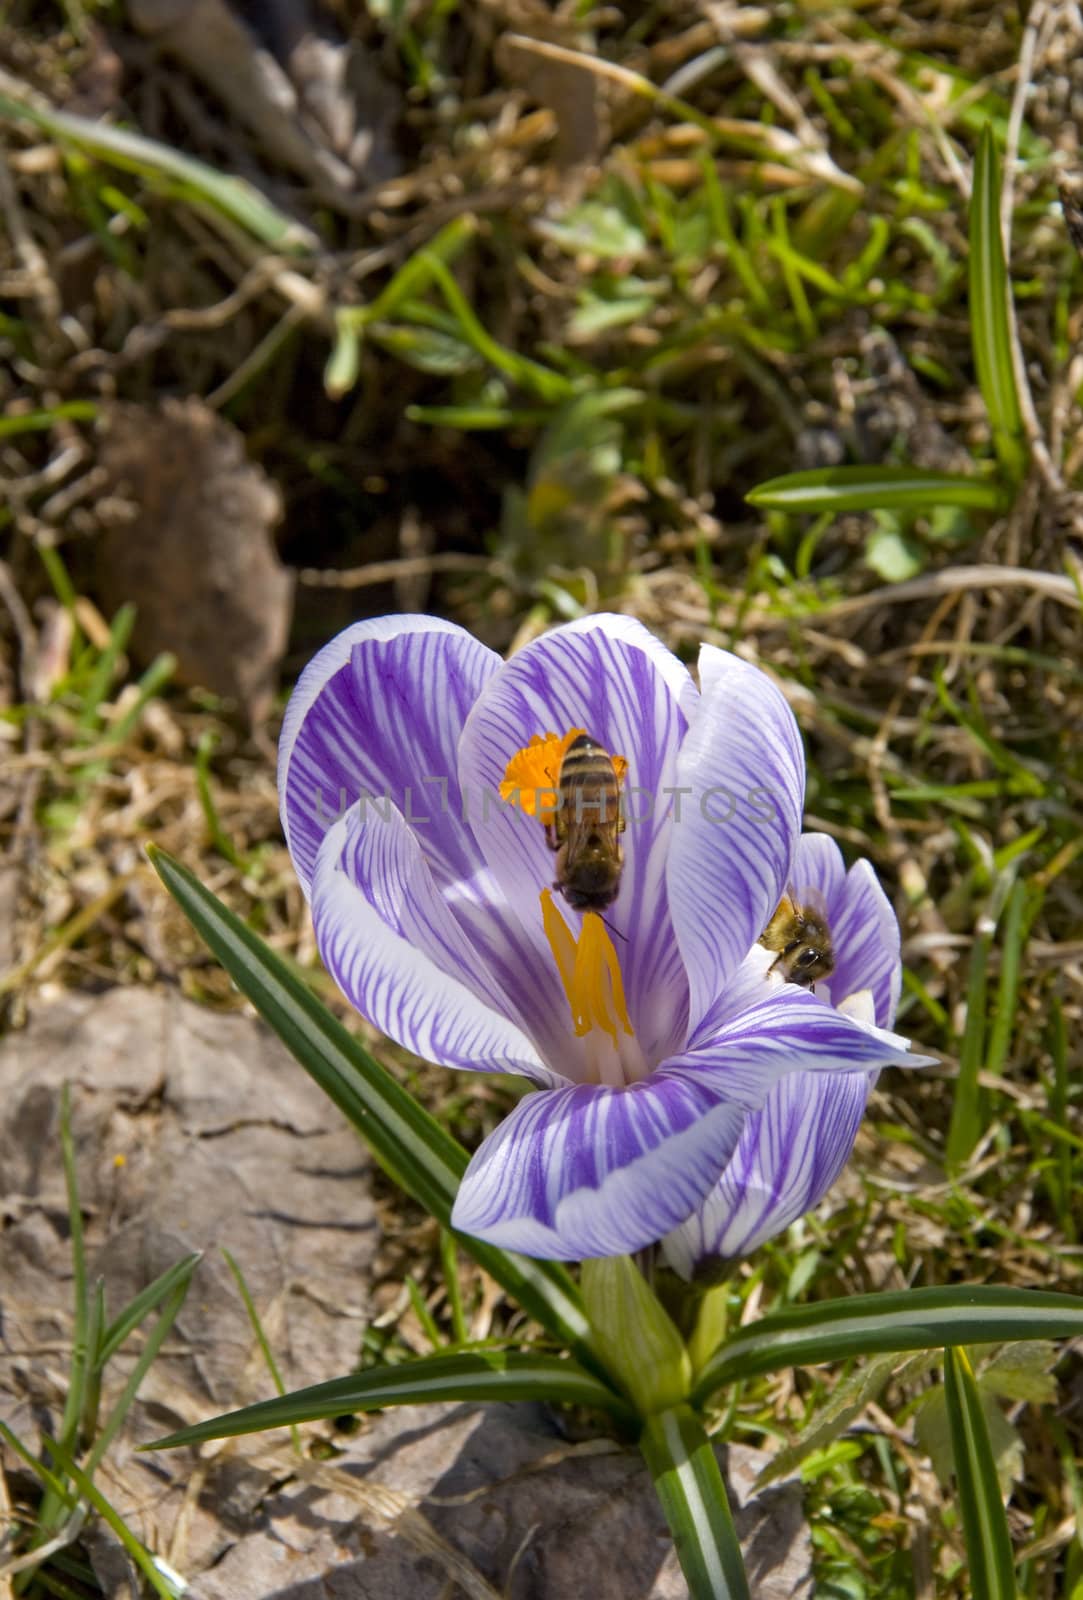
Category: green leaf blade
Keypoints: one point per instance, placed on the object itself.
(216, 192)
(860, 488)
(991, 312)
(467, 1375)
(988, 1542)
(425, 1160)
(683, 1466)
(875, 1324)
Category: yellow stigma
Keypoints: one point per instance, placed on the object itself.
(589, 971)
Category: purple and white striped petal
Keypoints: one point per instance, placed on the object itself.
(864, 929)
(389, 941)
(743, 770)
(587, 1171)
(792, 1030)
(788, 1156)
(608, 675)
(379, 712)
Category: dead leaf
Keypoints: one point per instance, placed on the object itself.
(187, 540)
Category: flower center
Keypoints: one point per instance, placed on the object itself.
(572, 785)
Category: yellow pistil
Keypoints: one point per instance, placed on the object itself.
(589, 970)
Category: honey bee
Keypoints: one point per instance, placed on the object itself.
(586, 827)
(800, 935)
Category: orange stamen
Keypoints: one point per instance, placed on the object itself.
(533, 773)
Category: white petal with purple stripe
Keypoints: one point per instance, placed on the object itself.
(588, 1171)
(792, 1030)
(788, 1156)
(400, 957)
(379, 712)
(744, 768)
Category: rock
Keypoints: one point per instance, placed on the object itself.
(493, 1500)
(193, 1131)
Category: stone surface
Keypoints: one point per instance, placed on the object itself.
(495, 1502)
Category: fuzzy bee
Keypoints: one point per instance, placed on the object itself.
(802, 939)
(586, 825)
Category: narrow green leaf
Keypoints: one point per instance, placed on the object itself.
(871, 1324)
(122, 1405)
(101, 679)
(991, 310)
(467, 1375)
(165, 1583)
(262, 1340)
(965, 1128)
(52, 1511)
(145, 1302)
(988, 1543)
(415, 274)
(531, 375)
(683, 1465)
(423, 1159)
(232, 197)
(449, 1262)
(41, 421)
(344, 363)
(839, 489)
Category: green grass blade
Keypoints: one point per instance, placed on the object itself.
(101, 679)
(449, 1263)
(871, 1324)
(169, 1588)
(41, 421)
(92, 1393)
(55, 1486)
(423, 1314)
(1023, 905)
(991, 310)
(685, 1471)
(410, 1144)
(837, 489)
(193, 180)
(530, 375)
(474, 1375)
(52, 1511)
(988, 1544)
(256, 1324)
(965, 1128)
(155, 1340)
(145, 1302)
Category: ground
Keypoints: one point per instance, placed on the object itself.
(501, 313)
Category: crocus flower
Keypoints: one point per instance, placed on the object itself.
(649, 1036)
(791, 1151)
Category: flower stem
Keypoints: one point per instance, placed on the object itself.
(683, 1465)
